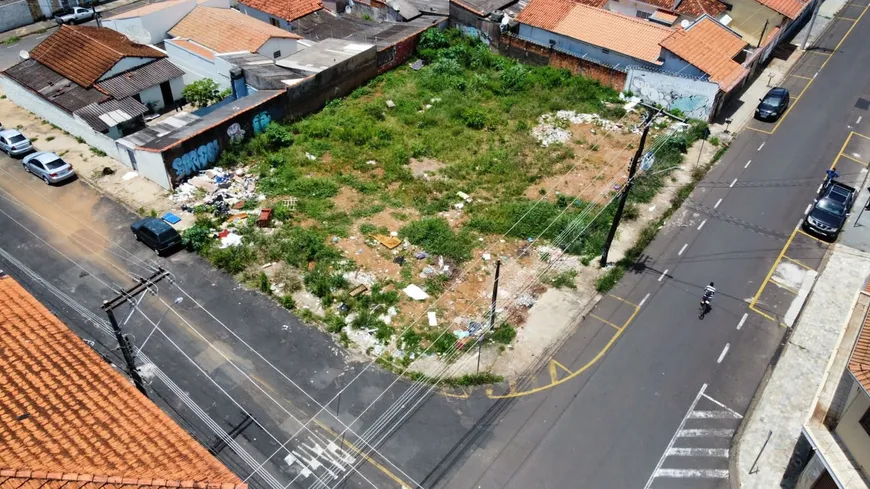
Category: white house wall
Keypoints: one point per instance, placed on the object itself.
(159, 23)
(286, 47)
(27, 100)
(126, 64)
(152, 95)
(132, 28)
(177, 86)
(196, 67)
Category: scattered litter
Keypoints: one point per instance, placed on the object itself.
(236, 217)
(459, 205)
(526, 300)
(268, 265)
(394, 233)
(651, 208)
(427, 271)
(310, 156)
(108, 171)
(171, 218)
(223, 234)
(421, 255)
(240, 172)
(389, 241)
(464, 196)
(335, 239)
(399, 260)
(433, 321)
(285, 327)
(371, 162)
(238, 205)
(486, 256)
(231, 239)
(391, 104)
(548, 130)
(130, 175)
(461, 334)
(265, 218)
(417, 65)
(415, 292)
(359, 289)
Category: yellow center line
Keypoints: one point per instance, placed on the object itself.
(329, 430)
(605, 321)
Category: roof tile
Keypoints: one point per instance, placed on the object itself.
(83, 53)
(86, 421)
(631, 36)
(289, 10)
(711, 47)
(690, 8)
(226, 30)
(789, 8)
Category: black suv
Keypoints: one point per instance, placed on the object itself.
(156, 234)
(773, 105)
(830, 210)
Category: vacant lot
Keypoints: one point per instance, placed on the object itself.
(447, 161)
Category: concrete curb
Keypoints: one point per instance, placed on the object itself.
(798, 303)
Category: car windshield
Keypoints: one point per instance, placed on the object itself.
(17, 139)
(831, 206)
(55, 164)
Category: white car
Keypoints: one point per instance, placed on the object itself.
(76, 16)
(14, 143)
(48, 166)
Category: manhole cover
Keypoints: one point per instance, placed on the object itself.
(862, 104)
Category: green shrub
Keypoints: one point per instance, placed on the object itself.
(265, 286)
(322, 283)
(609, 280)
(298, 246)
(434, 235)
(503, 334)
(232, 259)
(468, 380)
(278, 135)
(288, 302)
(563, 279)
(198, 236)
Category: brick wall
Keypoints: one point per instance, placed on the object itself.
(535, 54)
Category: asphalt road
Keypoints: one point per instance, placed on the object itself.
(210, 373)
(640, 416)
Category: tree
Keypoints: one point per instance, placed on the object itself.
(205, 92)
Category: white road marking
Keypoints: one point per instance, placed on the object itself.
(11, 46)
(747, 164)
(815, 74)
(732, 183)
(714, 401)
(859, 119)
(683, 249)
(699, 433)
(692, 473)
(819, 189)
(714, 415)
(724, 352)
(643, 300)
(698, 452)
(742, 320)
(717, 203)
(702, 224)
(42, 36)
(674, 438)
(807, 211)
(663, 275)
(762, 145)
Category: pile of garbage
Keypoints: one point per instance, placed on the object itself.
(551, 127)
(217, 187)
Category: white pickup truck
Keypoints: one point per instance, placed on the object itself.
(75, 16)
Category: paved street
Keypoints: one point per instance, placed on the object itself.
(609, 409)
(70, 247)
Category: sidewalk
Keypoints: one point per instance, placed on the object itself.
(773, 426)
(44, 25)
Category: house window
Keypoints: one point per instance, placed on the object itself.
(865, 421)
(276, 54)
(275, 22)
(642, 15)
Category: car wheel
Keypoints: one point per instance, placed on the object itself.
(45, 179)
(26, 168)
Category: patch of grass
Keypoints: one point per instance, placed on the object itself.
(469, 380)
(562, 280)
(715, 141)
(49, 138)
(609, 280)
(434, 235)
(12, 40)
(503, 334)
(79, 140)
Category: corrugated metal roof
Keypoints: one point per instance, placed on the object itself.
(134, 81)
(53, 86)
(109, 114)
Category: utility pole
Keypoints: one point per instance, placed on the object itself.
(491, 310)
(625, 189)
(109, 307)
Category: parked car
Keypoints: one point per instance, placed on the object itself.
(14, 143)
(773, 105)
(830, 211)
(76, 15)
(48, 166)
(156, 234)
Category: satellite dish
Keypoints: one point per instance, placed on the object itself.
(22, 55)
(685, 24)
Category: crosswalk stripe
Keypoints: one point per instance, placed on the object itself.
(692, 473)
(698, 433)
(698, 452)
(713, 415)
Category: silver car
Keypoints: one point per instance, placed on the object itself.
(48, 166)
(14, 143)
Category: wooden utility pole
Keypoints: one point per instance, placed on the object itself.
(491, 311)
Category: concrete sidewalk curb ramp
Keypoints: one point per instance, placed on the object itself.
(804, 292)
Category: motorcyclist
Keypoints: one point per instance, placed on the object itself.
(708, 293)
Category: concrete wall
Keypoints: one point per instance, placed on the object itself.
(849, 430)
(694, 98)
(629, 7)
(149, 165)
(37, 105)
(749, 18)
(473, 25)
(197, 67)
(126, 64)
(14, 14)
(285, 47)
(538, 55)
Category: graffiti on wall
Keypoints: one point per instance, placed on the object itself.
(694, 98)
(260, 122)
(196, 160)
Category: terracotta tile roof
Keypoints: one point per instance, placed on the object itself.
(193, 47)
(690, 8)
(711, 47)
(226, 30)
(859, 361)
(67, 415)
(83, 54)
(289, 10)
(789, 8)
(631, 36)
(664, 16)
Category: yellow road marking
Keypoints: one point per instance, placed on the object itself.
(623, 300)
(770, 274)
(463, 395)
(577, 372)
(842, 148)
(783, 286)
(329, 430)
(847, 33)
(812, 237)
(554, 370)
(798, 262)
(758, 130)
(801, 77)
(856, 160)
(605, 321)
(859, 134)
